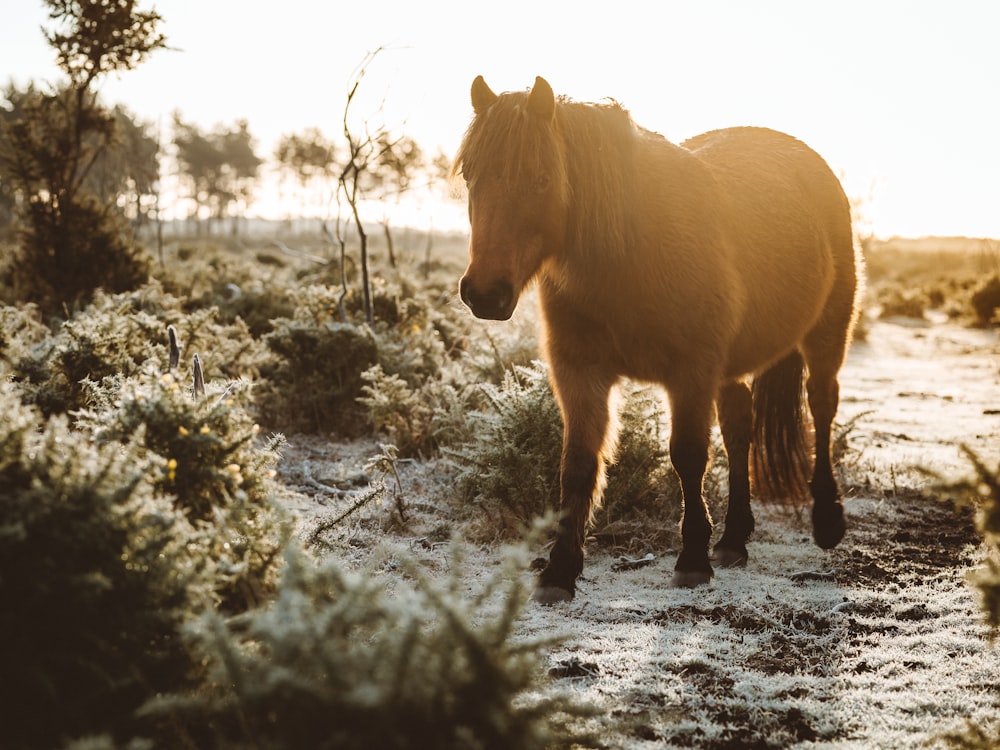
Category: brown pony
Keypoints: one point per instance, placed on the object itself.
(723, 269)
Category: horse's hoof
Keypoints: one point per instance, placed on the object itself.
(551, 595)
(727, 557)
(688, 579)
(829, 525)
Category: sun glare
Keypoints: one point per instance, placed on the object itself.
(899, 98)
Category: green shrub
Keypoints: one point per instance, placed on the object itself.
(20, 330)
(209, 276)
(315, 381)
(513, 459)
(95, 578)
(207, 460)
(116, 335)
(358, 660)
(510, 467)
(68, 252)
(899, 302)
(417, 419)
(982, 491)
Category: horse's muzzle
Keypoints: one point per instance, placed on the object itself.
(496, 303)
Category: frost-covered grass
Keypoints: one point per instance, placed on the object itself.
(777, 655)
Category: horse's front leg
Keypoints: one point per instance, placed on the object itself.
(587, 442)
(691, 416)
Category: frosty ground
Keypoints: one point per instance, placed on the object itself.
(877, 644)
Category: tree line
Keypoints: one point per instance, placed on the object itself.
(218, 169)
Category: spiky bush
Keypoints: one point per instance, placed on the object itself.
(418, 419)
(514, 458)
(231, 281)
(207, 459)
(356, 660)
(321, 357)
(95, 578)
(510, 466)
(983, 490)
(116, 335)
(316, 378)
(20, 330)
(900, 302)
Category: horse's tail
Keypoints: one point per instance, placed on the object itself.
(779, 456)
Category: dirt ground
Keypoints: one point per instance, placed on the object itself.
(877, 644)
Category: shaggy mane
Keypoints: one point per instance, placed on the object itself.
(587, 150)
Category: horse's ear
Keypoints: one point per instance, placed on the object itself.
(482, 96)
(541, 100)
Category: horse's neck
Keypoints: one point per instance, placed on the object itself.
(628, 196)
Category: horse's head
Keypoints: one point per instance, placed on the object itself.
(513, 162)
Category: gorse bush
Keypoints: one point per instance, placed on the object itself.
(513, 459)
(116, 335)
(321, 363)
(356, 660)
(207, 460)
(983, 490)
(231, 282)
(510, 465)
(68, 252)
(418, 419)
(96, 578)
(316, 379)
(153, 507)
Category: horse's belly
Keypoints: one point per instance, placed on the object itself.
(766, 335)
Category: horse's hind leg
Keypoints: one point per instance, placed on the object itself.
(735, 419)
(823, 359)
(691, 417)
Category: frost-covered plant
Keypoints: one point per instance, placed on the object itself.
(20, 330)
(511, 463)
(417, 419)
(95, 578)
(235, 283)
(115, 335)
(356, 660)
(984, 491)
(316, 377)
(207, 459)
(513, 458)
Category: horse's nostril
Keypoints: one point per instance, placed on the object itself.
(493, 304)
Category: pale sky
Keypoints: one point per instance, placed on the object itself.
(902, 97)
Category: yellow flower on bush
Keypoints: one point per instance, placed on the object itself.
(183, 431)
(234, 469)
(172, 469)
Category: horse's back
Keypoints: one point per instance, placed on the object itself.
(789, 232)
(763, 172)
